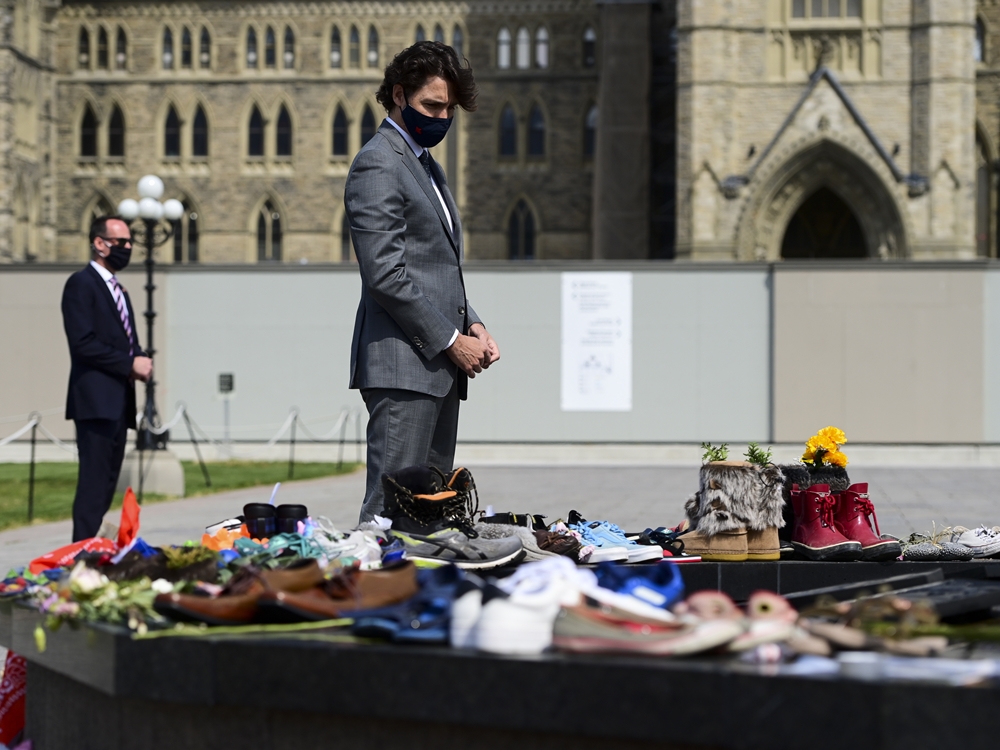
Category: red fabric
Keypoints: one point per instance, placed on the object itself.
(128, 529)
(12, 691)
(63, 556)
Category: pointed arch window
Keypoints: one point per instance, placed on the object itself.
(536, 132)
(172, 134)
(255, 134)
(590, 133)
(116, 133)
(508, 132)
(205, 48)
(336, 58)
(521, 233)
(367, 125)
(283, 142)
(523, 51)
(186, 51)
(186, 236)
(421, 35)
(269, 233)
(121, 49)
(372, 47)
(251, 48)
(168, 49)
(340, 132)
(503, 48)
(88, 133)
(979, 45)
(288, 53)
(458, 41)
(542, 48)
(589, 47)
(354, 52)
(83, 49)
(345, 240)
(438, 33)
(199, 133)
(270, 53)
(102, 49)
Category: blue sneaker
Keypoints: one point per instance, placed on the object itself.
(604, 534)
(660, 585)
(422, 619)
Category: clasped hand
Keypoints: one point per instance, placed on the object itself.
(475, 352)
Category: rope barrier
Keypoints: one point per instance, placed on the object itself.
(16, 435)
(291, 420)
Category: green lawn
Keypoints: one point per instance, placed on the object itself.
(55, 485)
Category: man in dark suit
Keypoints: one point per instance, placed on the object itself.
(416, 337)
(105, 363)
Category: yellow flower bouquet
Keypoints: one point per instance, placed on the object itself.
(824, 448)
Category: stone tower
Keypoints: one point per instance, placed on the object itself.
(826, 128)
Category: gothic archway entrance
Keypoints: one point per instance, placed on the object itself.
(823, 188)
(824, 227)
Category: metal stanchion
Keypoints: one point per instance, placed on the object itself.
(343, 437)
(197, 450)
(291, 447)
(31, 471)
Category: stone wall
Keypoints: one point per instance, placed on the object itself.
(227, 189)
(897, 102)
(26, 112)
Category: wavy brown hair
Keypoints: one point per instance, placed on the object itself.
(415, 65)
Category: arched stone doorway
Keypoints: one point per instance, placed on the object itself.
(829, 184)
(823, 227)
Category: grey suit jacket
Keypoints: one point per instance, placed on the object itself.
(412, 290)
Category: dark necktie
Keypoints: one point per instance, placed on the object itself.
(425, 159)
(119, 297)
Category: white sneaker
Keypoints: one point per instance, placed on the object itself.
(466, 608)
(519, 612)
(982, 542)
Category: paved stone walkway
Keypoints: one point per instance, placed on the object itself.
(906, 500)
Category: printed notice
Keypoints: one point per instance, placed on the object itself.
(596, 342)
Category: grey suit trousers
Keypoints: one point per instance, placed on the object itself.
(406, 428)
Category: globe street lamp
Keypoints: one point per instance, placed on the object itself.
(152, 234)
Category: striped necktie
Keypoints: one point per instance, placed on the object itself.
(119, 296)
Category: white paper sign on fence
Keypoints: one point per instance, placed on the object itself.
(597, 341)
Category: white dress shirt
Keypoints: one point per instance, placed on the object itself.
(417, 151)
(115, 291)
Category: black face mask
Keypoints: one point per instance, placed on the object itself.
(426, 131)
(118, 256)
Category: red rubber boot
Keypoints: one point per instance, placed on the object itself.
(815, 536)
(854, 518)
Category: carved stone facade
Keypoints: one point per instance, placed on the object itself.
(251, 112)
(756, 130)
(868, 104)
(27, 223)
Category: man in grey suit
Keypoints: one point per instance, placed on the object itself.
(416, 337)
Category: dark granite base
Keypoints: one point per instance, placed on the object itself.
(66, 715)
(740, 580)
(96, 687)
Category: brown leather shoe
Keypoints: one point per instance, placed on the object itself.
(237, 604)
(349, 591)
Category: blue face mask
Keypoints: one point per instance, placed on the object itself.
(426, 131)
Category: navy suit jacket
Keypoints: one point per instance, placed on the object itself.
(100, 383)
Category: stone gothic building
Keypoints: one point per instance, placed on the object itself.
(620, 129)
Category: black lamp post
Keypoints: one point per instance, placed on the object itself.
(152, 234)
